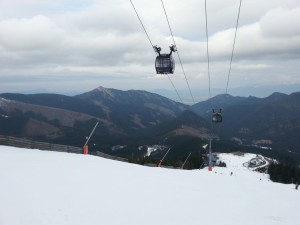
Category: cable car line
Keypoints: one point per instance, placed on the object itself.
(209, 91)
(142, 24)
(161, 59)
(207, 52)
(175, 89)
(164, 64)
(236, 27)
(217, 115)
(208, 73)
(177, 51)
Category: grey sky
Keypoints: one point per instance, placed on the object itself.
(77, 45)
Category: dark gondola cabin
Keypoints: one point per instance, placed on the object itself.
(217, 117)
(164, 63)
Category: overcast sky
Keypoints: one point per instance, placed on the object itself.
(77, 45)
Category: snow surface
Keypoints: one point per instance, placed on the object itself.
(54, 188)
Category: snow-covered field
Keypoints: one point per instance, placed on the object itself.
(54, 188)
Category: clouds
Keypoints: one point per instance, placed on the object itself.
(30, 34)
(281, 23)
(103, 42)
(276, 35)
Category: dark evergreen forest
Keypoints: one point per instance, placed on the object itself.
(283, 173)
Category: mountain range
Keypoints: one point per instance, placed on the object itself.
(273, 121)
(138, 117)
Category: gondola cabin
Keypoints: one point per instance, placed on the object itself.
(164, 63)
(217, 116)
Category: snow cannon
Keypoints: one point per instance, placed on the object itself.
(85, 149)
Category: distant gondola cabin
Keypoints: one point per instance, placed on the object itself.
(217, 116)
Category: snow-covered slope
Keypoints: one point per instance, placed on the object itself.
(52, 188)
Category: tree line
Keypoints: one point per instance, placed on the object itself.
(283, 173)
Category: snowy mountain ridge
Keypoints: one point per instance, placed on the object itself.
(46, 188)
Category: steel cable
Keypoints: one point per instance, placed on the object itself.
(177, 52)
(152, 48)
(142, 24)
(236, 27)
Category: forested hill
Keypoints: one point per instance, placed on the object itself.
(145, 117)
(273, 121)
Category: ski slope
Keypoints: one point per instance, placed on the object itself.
(54, 188)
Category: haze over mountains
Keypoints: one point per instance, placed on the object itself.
(146, 118)
(199, 95)
(245, 91)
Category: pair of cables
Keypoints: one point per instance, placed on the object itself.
(208, 65)
(167, 18)
(232, 52)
